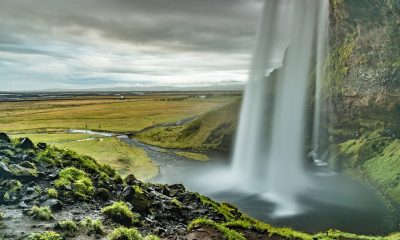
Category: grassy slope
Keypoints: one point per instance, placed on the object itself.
(210, 131)
(112, 115)
(111, 151)
(375, 159)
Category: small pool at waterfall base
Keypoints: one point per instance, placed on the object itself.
(331, 201)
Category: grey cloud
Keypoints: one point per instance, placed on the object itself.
(206, 25)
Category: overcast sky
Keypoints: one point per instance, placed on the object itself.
(112, 43)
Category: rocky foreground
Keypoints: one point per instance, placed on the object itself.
(49, 194)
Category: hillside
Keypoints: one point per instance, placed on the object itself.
(51, 194)
(212, 130)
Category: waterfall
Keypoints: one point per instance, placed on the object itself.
(270, 145)
(322, 53)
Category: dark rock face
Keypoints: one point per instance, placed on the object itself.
(4, 138)
(25, 143)
(42, 146)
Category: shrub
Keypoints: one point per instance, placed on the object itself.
(120, 213)
(49, 235)
(41, 213)
(83, 184)
(52, 193)
(67, 226)
(92, 226)
(123, 233)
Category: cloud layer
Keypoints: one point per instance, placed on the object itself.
(102, 43)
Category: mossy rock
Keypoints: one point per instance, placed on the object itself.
(4, 138)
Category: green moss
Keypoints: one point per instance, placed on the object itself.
(340, 58)
(83, 187)
(225, 209)
(85, 162)
(194, 156)
(176, 202)
(120, 213)
(52, 193)
(49, 235)
(151, 237)
(92, 226)
(384, 170)
(138, 189)
(123, 233)
(12, 186)
(68, 226)
(228, 233)
(41, 213)
(50, 156)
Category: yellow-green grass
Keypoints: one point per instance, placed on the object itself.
(194, 156)
(124, 158)
(101, 114)
(55, 137)
(211, 130)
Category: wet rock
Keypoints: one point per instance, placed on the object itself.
(42, 146)
(27, 164)
(130, 179)
(54, 204)
(4, 138)
(25, 143)
(140, 200)
(4, 170)
(176, 189)
(102, 194)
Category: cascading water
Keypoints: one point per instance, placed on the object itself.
(269, 152)
(268, 178)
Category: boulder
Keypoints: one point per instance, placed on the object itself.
(130, 179)
(4, 138)
(42, 146)
(25, 143)
(54, 204)
(102, 194)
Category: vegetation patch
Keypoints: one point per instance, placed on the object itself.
(228, 233)
(123, 233)
(120, 213)
(69, 227)
(48, 235)
(52, 193)
(41, 213)
(83, 187)
(92, 226)
(194, 156)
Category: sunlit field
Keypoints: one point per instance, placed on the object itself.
(113, 115)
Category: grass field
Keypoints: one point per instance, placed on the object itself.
(212, 130)
(47, 120)
(102, 114)
(125, 159)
